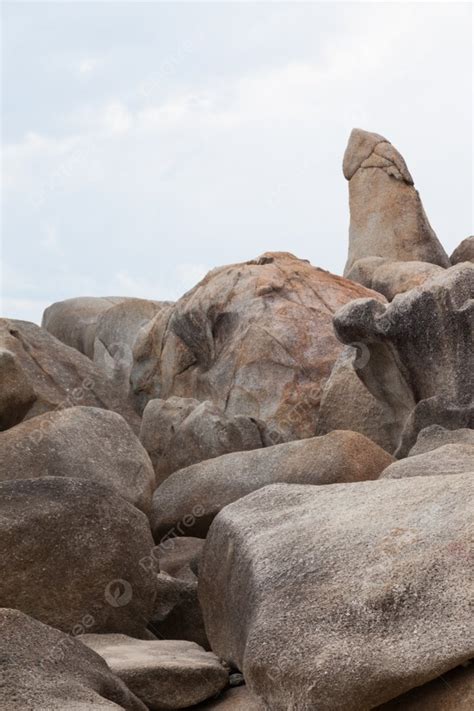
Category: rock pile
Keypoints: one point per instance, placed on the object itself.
(258, 498)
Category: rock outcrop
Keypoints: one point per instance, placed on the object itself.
(55, 376)
(164, 674)
(179, 432)
(387, 217)
(342, 596)
(254, 338)
(420, 351)
(207, 487)
(74, 549)
(45, 670)
(84, 443)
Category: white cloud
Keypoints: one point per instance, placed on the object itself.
(87, 66)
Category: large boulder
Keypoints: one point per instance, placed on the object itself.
(84, 443)
(387, 216)
(116, 331)
(207, 487)
(453, 691)
(346, 404)
(436, 436)
(420, 348)
(42, 669)
(392, 278)
(164, 674)
(74, 321)
(179, 432)
(16, 393)
(74, 549)
(464, 252)
(448, 459)
(56, 375)
(254, 338)
(343, 596)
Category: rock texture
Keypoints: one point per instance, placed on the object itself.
(392, 278)
(254, 338)
(420, 348)
(238, 699)
(84, 443)
(58, 376)
(16, 392)
(346, 404)
(177, 614)
(387, 216)
(453, 691)
(341, 597)
(207, 487)
(464, 252)
(164, 674)
(436, 436)
(448, 459)
(73, 549)
(179, 432)
(42, 669)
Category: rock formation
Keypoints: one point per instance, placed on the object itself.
(464, 252)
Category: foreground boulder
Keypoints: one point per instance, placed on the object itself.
(448, 459)
(254, 338)
(73, 549)
(74, 321)
(57, 376)
(436, 436)
(164, 674)
(343, 596)
(46, 670)
(464, 252)
(84, 443)
(207, 487)
(181, 431)
(420, 348)
(387, 217)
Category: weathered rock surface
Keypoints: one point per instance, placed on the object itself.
(43, 669)
(436, 436)
(16, 393)
(74, 321)
(182, 431)
(341, 597)
(238, 699)
(387, 216)
(392, 278)
(453, 691)
(254, 338)
(73, 549)
(420, 348)
(464, 252)
(346, 404)
(180, 556)
(116, 331)
(448, 459)
(211, 485)
(84, 443)
(58, 375)
(164, 674)
(177, 613)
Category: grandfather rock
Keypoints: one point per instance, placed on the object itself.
(59, 376)
(387, 216)
(436, 436)
(74, 549)
(84, 443)
(254, 338)
(187, 502)
(448, 459)
(164, 674)
(45, 670)
(343, 596)
(464, 252)
(179, 432)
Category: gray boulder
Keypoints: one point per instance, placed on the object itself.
(464, 252)
(16, 393)
(187, 502)
(387, 216)
(436, 436)
(74, 549)
(43, 669)
(164, 674)
(179, 432)
(453, 691)
(343, 596)
(448, 459)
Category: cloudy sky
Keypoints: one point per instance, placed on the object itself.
(145, 143)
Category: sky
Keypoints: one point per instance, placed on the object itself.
(146, 143)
